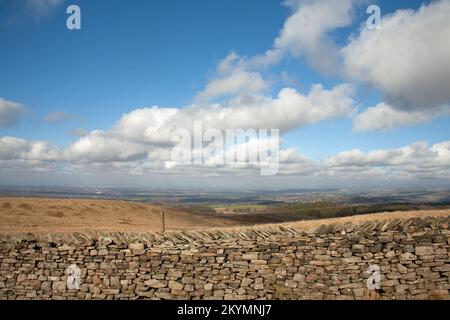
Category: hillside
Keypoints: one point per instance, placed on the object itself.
(44, 215)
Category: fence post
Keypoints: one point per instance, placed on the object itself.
(163, 222)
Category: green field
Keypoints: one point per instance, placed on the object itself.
(242, 207)
(289, 207)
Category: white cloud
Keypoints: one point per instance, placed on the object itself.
(99, 146)
(408, 59)
(42, 151)
(232, 79)
(306, 33)
(384, 117)
(238, 82)
(292, 155)
(289, 110)
(412, 157)
(145, 132)
(144, 137)
(10, 113)
(417, 160)
(12, 148)
(118, 157)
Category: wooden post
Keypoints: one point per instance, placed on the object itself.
(163, 223)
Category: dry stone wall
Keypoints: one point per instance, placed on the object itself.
(280, 262)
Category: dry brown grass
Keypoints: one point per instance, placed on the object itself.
(313, 224)
(43, 215)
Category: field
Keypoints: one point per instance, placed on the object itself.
(43, 215)
(239, 208)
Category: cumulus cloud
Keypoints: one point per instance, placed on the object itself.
(288, 110)
(10, 113)
(291, 109)
(232, 78)
(306, 33)
(418, 159)
(384, 117)
(100, 146)
(147, 134)
(235, 83)
(42, 151)
(407, 59)
(12, 148)
(144, 133)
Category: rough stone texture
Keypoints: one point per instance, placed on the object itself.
(254, 263)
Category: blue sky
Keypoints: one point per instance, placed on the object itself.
(163, 53)
(126, 56)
